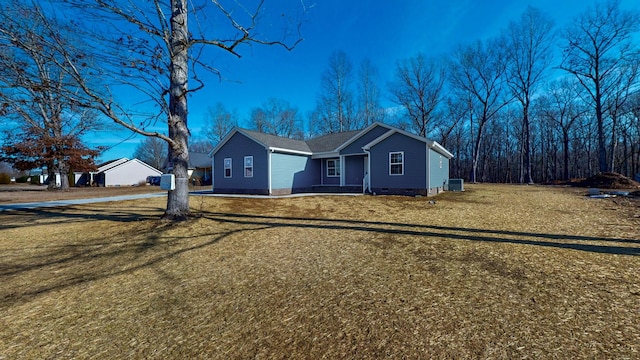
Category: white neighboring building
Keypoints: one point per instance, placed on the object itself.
(123, 172)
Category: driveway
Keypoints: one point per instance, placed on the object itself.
(56, 203)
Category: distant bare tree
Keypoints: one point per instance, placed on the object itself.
(277, 117)
(417, 87)
(561, 104)
(335, 102)
(219, 123)
(598, 44)
(33, 75)
(152, 151)
(616, 104)
(477, 74)
(528, 45)
(369, 109)
(155, 49)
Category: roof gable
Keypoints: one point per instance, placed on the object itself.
(277, 142)
(326, 145)
(132, 162)
(268, 141)
(111, 164)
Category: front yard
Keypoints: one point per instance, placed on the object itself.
(496, 272)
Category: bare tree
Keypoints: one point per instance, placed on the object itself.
(152, 151)
(597, 45)
(277, 117)
(219, 123)
(477, 74)
(528, 45)
(562, 105)
(418, 89)
(335, 102)
(50, 125)
(623, 82)
(154, 48)
(369, 110)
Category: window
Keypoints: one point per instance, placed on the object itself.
(227, 167)
(396, 163)
(248, 166)
(333, 168)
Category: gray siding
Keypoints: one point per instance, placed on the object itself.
(439, 169)
(326, 180)
(415, 163)
(237, 148)
(354, 170)
(356, 146)
(290, 172)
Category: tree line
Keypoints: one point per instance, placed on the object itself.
(535, 103)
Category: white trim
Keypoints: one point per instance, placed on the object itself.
(111, 165)
(224, 168)
(245, 167)
(325, 155)
(269, 172)
(361, 133)
(337, 169)
(297, 152)
(440, 149)
(400, 163)
(378, 140)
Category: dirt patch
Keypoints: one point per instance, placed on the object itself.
(609, 180)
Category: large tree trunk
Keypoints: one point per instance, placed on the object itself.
(178, 199)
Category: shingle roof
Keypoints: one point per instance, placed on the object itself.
(330, 142)
(199, 160)
(277, 141)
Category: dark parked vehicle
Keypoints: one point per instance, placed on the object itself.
(153, 180)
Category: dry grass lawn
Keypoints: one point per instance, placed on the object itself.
(496, 272)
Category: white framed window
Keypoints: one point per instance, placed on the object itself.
(333, 167)
(248, 166)
(227, 167)
(396, 163)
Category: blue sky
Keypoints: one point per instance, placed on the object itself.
(383, 31)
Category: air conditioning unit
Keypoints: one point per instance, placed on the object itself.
(455, 185)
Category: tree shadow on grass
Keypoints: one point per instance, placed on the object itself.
(574, 242)
(76, 264)
(64, 215)
(60, 266)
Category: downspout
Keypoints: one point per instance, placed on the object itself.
(369, 168)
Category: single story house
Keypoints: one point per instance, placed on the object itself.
(200, 168)
(120, 172)
(379, 159)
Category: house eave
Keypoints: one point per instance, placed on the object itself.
(325, 155)
(289, 151)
